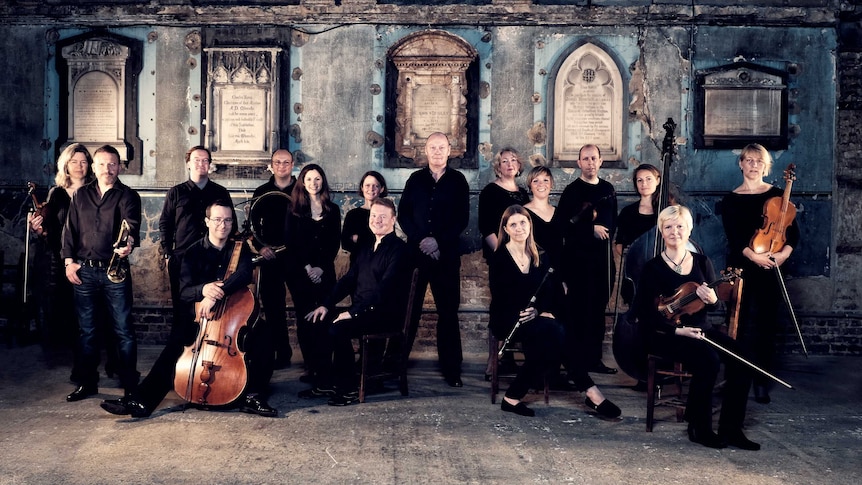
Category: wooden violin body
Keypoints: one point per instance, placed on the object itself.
(684, 300)
(212, 371)
(778, 214)
(38, 207)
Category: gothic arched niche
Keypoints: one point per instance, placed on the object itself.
(586, 106)
(435, 79)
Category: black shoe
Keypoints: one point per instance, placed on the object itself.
(306, 378)
(126, 406)
(520, 409)
(761, 394)
(316, 392)
(706, 438)
(601, 368)
(606, 409)
(454, 381)
(738, 440)
(641, 386)
(345, 399)
(82, 392)
(257, 405)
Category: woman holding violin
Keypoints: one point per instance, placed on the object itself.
(742, 213)
(516, 271)
(678, 274)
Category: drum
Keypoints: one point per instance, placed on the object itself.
(267, 215)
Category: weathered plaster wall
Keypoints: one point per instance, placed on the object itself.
(658, 47)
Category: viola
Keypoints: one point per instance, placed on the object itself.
(778, 214)
(684, 300)
(212, 370)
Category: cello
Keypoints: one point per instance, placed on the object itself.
(212, 371)
(628, 344)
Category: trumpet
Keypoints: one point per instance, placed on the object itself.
(118, 268)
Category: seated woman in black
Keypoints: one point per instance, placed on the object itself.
(516, 272)
(683, 342)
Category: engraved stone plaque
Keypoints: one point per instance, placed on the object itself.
(431, 92)
(587, 106)
(96, 83)
(741, 103)
(242, 105)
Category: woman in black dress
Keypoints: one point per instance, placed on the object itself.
(540, 183)
(313, 235)
(516, 271)
(682, 342)
(639, 217)
(355, 231)
(741, 213)
(499, 194)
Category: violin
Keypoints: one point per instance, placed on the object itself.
(212, 370)
(38, 207)
(778, 214)
(684, 300)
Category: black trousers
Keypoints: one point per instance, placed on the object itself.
(703, 361)
(273, 298)
(542, 343)
(336, 359)
(444, 277)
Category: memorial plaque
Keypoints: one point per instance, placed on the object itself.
(432, 110)
(95, 113)
(740, 104)
(97, 94)
(431, 92)
(243, 104)
(243, 119)
(587, 106)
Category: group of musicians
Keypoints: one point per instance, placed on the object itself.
(198, 220)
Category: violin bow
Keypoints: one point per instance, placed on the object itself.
(786, 296)
(739, 358)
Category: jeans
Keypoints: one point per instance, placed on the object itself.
(118, 302)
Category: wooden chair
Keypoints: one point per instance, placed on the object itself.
(673, 372)
(514, 349)
(400, 372)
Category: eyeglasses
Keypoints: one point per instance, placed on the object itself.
(221, 220)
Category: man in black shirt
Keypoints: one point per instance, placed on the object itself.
(434, 211)
(94, 221)
(203, 267)
(270, 211)
(181, 223)
(376, 285)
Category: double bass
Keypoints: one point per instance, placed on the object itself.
(212, 370)
(628, 344)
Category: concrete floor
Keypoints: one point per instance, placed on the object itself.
(436, 435)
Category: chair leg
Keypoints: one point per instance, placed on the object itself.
(680, 412)
(363, 373)
(402, 380)
(547, 389)
(650, 404)
(495, 379)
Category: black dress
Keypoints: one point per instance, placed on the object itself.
(493, 201)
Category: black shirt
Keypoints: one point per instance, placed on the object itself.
(439, 209)
(376, 281)
(182, 220)
(356, 224)
(511, 291)
(93, 223)
(204, 263)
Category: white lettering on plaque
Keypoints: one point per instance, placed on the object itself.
(243, 119)
(432, 110)
(95, 108)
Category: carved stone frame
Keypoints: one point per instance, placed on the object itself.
(425, 60)
(119, 58)
(254, 72)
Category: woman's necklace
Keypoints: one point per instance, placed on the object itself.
(521, 260)
(676, 266)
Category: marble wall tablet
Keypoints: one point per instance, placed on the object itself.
(587, 108)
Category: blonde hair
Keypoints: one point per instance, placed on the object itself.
(763, 153)
(62, 178)
(675, 212)
(503, 236)
(498, 159)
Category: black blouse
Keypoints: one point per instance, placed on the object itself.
(511, 291)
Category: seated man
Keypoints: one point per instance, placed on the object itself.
(376, 285)
(202, 268)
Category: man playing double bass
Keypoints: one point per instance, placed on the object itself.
(202, 268)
